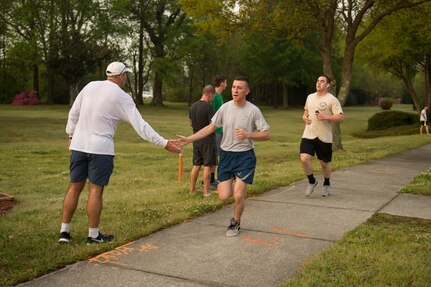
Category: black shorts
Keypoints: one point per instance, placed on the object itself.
(96, 167)
(316, 146)
(204, 154)
(424, 123)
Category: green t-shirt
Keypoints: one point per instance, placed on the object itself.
(217, 102)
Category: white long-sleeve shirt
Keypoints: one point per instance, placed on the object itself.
(95, 115)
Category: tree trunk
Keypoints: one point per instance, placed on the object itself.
(427, 74)
(285, 96)
(191, 87)
(409, 86)
(73, 92)
(327, 67)
(134, 88)
(50, 88)
(140, 90)
(157, 90)
(36, 79)
(274, 95)
(343, 93)
(346, 75)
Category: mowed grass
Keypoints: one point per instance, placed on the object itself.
(144, 194)
(421, 184)
(384, 251)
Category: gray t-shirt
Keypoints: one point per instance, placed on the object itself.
(230, 117)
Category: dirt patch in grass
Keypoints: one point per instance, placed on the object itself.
(7, 202)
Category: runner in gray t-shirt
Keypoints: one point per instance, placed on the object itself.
(242, 122)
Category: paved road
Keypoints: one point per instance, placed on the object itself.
(280, 230)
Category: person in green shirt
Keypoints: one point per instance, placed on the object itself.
(220, 84)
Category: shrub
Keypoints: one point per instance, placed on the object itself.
(386, 103)
(389, 119)
(26, 98)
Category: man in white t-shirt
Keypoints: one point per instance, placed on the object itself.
(242, 123)
(424, 119)
(320, 111)
(91, 125)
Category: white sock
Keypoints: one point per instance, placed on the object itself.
(93, 232)
(65, 227)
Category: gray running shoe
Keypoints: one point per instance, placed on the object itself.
(233, 228)
(310, 189)
(326, 191)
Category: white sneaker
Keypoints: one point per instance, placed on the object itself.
(310, 189)
(326, 191)
(233, 228)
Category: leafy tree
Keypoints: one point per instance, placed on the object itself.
(160, 26)
(278, 61)
(78, 48)
(402, 46)
(20, 17)
(369, 84)
(135, 13)
(67, 37)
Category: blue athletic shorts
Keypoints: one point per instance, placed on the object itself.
(96, 167)
(315, 146)
(240, 164)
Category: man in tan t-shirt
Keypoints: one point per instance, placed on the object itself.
(320, 111)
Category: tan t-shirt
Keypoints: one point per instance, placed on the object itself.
(327, 105)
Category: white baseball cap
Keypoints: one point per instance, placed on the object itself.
(117, 68)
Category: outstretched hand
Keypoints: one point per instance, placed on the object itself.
(173, 146)
(182, 140)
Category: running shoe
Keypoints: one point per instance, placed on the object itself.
(64, 238)
(233, 228)
(326, 191)
(310, 189)
(102, 238)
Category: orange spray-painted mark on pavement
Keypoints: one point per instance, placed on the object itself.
(147, 247)
(275, 229)
(113, 256)
(258, 241)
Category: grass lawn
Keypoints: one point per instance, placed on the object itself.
(384, 251)
(144, 194)
(421, 184)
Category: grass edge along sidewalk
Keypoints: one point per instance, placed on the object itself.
(383, 251)
(34, 169)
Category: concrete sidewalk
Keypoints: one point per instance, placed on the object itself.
(280, 230)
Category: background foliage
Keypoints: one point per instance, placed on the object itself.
(55, 47)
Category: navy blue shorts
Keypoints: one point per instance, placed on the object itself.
(316, 146)
(240, 164)
(96, 167)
